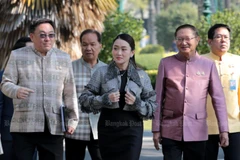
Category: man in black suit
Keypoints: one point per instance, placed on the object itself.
(6, 112)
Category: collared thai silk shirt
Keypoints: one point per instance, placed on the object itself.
(229, 72)
(182, 87)
(87, 122)
(51, 79)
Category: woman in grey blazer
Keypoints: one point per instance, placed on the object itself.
(124, 95)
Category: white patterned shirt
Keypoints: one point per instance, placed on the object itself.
(87, 122)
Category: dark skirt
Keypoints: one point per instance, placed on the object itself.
(120, 135)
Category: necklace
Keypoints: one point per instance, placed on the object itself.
(121, 74)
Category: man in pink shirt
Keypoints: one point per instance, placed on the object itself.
(183, 83)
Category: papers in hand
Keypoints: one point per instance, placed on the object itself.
(63, 116)
(1, 148)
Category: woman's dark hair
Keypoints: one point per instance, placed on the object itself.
(99, 37)
(35, 23)
(129, 39)
(21, 42)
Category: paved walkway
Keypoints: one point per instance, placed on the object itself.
(148, 151)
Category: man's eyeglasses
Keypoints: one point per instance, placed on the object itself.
(43, 36)
(187, 39)
(219, 37)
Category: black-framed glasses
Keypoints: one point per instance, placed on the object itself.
(43, 35)
(187, 39)
(221, 36)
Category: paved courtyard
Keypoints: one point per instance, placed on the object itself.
(149, 152)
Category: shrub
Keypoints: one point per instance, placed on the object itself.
(115, 24)
(169, 19)
(148, 61)
(226, 17)
(153, 75)
(152, 49)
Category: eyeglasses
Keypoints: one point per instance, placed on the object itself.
(43, 36)
(219, 37)
(187, 39)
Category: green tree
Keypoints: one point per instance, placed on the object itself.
(115, 24)
(137, 6)
(70, 16)
(168, 20)
(228, 17)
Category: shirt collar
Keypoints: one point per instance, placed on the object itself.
(181, 57)
(215, 57)
(88, 65)
(39, 54)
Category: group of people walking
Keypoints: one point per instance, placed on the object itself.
(107, 103)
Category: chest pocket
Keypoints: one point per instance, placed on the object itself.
(202, 81)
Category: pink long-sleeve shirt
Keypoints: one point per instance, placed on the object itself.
(182, 87)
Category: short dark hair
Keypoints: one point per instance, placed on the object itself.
(194, 29)
(211, 31)
(99, 37)
(37, 22)
(21, 42)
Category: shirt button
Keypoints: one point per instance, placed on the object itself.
(44, 93)
(185, 101)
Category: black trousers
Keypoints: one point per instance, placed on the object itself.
(173, 150)
(231, 152)
(50, 147)
(75, 149)
(9, 153)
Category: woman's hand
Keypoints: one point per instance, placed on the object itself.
(129, 98)
(114, 97)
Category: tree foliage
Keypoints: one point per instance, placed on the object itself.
(71, 17)
(115, 24)
(151, 48)
(168, 20)
(139, 3)
(228, 17)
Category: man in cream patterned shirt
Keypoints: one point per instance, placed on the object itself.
(228, 66)
(40, 79)
(86, 134)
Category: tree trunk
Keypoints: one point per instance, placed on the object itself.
(158, 6)
(227, 3)
(151, 23)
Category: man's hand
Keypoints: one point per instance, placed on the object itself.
(23, 93)
(156, 139)
(224, 141)
(70, 130)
